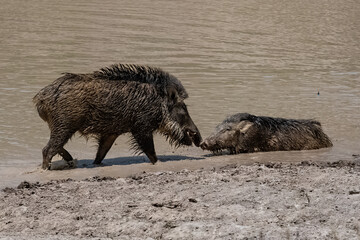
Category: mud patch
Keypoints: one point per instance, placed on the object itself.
(273, 200)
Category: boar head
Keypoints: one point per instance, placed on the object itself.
(177, 125)
(229, 135)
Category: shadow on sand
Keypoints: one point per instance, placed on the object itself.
(87, 163)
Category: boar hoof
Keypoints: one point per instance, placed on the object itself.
(70, 164)
(97, 162)
(46, 166)
(153, 159)
(203, 145)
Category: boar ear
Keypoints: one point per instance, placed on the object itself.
(244, 126)
(172, 95)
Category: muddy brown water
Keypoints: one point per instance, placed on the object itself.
(267, 58)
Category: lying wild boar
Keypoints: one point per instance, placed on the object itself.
(243, 133)
(118, 99)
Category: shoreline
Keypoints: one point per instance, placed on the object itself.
(185, 158)
(317, 200)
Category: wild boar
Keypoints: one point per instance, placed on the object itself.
(245, 133)
(122, 98)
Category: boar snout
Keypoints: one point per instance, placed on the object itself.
(209, 144)
(204, 145)
(195, 136)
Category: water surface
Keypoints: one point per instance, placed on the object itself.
(266, 58)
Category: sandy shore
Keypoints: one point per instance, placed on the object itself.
(260, 201)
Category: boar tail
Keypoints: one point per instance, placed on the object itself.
(40, 106)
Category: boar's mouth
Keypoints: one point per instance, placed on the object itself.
(181, 136)
(214, 148)
(217, 148)
(190, 137)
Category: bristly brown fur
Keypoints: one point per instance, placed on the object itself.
(244, 132)
(142, 74)
(122, 98)
(133, 72)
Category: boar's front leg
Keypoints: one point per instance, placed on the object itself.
(105, 143)
(65, 155)
(145, 142)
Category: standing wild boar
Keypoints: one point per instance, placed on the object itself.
(118, 99)
(243, 133)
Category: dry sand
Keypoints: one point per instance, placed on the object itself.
(305, 200)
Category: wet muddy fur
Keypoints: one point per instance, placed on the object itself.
(112, 101)
(244, 132)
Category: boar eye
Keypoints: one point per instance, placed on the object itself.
(172, 96)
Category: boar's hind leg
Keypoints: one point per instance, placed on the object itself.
(105, 143)
(55, 146)
(146, 144)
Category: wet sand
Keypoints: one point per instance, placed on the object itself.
(126, 164)
(269, 200)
